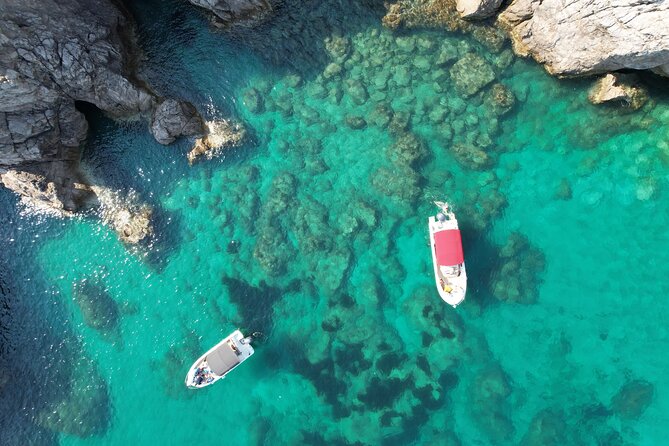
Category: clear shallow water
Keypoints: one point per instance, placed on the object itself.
(331, 260)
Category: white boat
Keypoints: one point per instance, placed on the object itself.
(447, 256)
(220, 360)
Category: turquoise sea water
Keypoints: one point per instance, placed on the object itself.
(314, 233)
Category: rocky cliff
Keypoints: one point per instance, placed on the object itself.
(581, 37)
(53, 54)
(237, 11)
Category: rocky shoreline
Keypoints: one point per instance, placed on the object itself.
(580, 38)
(56, 54)
(585, 37)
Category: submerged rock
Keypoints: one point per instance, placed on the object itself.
(407, 150)
(355, 122)
(471, 156)
(170, 367)
(471, 73)
(357, 91)
(547, 428)
(616, 88)
(500, 99)
(563, 190)
(83, 412)
(488, 394)
(338, 48)
(562, 36)
(633, 399)
(221, 135)
(517, 279)
(400, 183)
(253, 100)
(98, 309)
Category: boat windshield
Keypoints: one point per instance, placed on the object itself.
(451, 271)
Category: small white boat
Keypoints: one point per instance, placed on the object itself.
(220, 360)
(447, 256)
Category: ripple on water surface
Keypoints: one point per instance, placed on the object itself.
(314, 233)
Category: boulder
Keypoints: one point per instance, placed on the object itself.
(477, 9)
(584, 37)
(130, 218)
(471, 156)
(616, 88)
(471, 73)
(500, 99)
(633, 399)
(220, 135)
(172, 119)
(243, 12)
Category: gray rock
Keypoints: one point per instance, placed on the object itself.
(590, 36)
(172, 119)
(477, 9)
(237, 11)
(53, 54)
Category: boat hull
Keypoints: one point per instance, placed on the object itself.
(196, 379)
(452, 287)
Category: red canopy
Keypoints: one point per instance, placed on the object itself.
(448, 246)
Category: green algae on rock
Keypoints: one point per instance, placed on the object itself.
(471, 73)
(518, 276)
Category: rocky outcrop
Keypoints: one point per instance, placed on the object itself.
(621, 89)
(477, 9)
(126, 215)
(220, 135)
(243, 12)
(172, 119)
(53, 54)
(590, 36)
(57, 187)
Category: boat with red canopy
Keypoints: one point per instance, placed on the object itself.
(447, 256)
